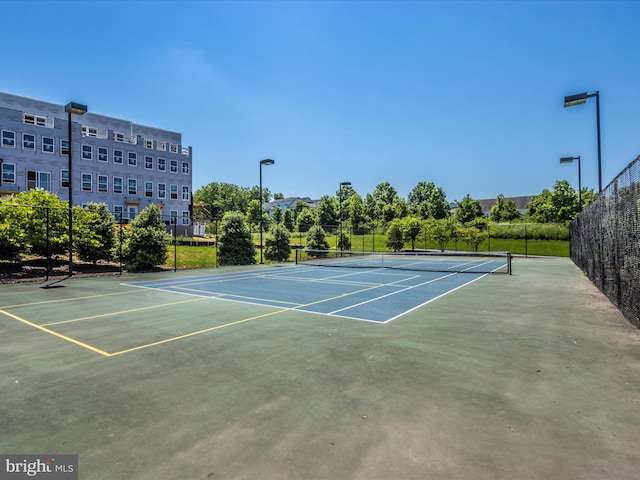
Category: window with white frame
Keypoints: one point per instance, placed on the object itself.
(185, 217)
(86, 182)
(148, 189)
(38, 120)
(28, 141)
(133, 159)
(117, 184)
(132, 186)
(89, 131)
(103, 154)
(185, 193)
(64, 178)
(162, 190)
(133, 211)
(8, 139)
(174, 216)
(48, 145)
(162, 165)
(173, 148)
(8, 173)
(103, 183)
(87, 152)
(173, 192)
(185, 168)
(118, 137)
(118, 157)
(162, 146)
(148, 143)
(148, 162)
(173, 166)
(117, 212)
(38, 180)
(64, 147)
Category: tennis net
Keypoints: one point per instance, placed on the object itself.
(460, 262)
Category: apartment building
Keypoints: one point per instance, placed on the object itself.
(117, 162)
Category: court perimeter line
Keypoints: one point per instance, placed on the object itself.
(66, 299)
(56, 334)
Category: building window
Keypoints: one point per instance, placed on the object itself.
(162, 165)
(47, 145)
(87, 152)
(38, 180)
(8, 173)
(117, 184)
(28, 141)
(174, 216)
(185, 217)
(103, 183)
(185, 193)
(133, 211)
(89, 131)
(118, 157)
(133, 159)
(86, 182)
(8, 139)
(162, 146)
(103, 154)
(185, 168)
(162, 190)
(35, 120)
(148, 162)
(148, 143)
(174, 192)
(174, 166)
(64, 178)
(132, 186)
(148, 189)
(64, 147)
(173, 148)
(118, 137)
(117, 212)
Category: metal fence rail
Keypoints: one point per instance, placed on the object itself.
(605, 241)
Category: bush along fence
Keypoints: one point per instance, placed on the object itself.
(605, 241)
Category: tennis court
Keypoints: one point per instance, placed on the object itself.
(271, 372)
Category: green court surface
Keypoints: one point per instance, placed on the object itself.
(530, 376)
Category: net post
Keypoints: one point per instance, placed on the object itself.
(509, 256)
(297, 256)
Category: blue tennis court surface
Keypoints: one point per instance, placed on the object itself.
(375, 295)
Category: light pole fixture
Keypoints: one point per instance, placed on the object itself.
(570, 160)
(266, 161)
(75, 109)
(579, 99)
(342, 184)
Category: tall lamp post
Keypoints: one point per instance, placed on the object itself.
(75, 109)
(342, 184)
(570, 160)
(266, 161)
(579, 99)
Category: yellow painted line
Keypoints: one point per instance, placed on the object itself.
(56, 334)
(199, 332)
(69, 299)
(111, 314)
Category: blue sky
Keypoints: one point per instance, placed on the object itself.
(468, 95)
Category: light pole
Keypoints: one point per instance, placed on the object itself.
(579, 99)
(342, 184)
(76, 109)
(570, 160)
(266, 161)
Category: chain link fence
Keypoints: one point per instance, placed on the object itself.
(605, 241)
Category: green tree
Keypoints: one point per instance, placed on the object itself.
(356, 215)
(254, 213)
(344, 242)
(558, 205)
(278, 244)
(236, 243)
(384, 204)
(441, 231)
(428, 201)
(504, 210)
(288, 219)
(411, 228)
(468, 210)
(317, 240)
(306, 219)
(395, 235)
(146, 243)
(98, 239)
(13, 236)
(472, 236)
(327, 212)
(276, 214)
(220, 198)
(36, 226)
